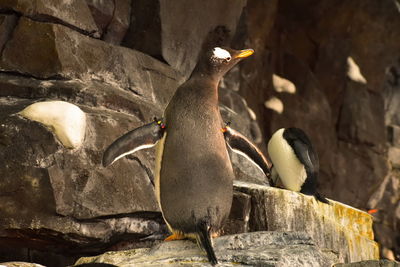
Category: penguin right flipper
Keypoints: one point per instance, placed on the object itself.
(241, 145)
(140, 138)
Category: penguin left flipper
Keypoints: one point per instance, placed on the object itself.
(241, 145)
(140, 138)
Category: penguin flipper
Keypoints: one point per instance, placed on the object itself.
(241, 145)
(140, 138)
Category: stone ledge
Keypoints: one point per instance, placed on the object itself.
(255, 249)
(342, 229)
(370, 263)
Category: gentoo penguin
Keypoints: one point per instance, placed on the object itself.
(193, 173)
(294, 161)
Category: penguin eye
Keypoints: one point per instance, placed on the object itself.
(227, 59)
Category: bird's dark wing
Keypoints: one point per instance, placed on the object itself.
(303, 149)
(303, 152)
(241, 145)
(140, 138)
(306, 155)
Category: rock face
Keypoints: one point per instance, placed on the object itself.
(344, 230)
(57, 51)
(60, 200)
(255, 249)
(370, 263)
(342, 233)
(20, 264)
(332, 69)
(345, 119)
(72, 13)
(175, 30)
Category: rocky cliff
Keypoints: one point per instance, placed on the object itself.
(330, 67)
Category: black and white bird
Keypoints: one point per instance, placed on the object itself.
(295, 162)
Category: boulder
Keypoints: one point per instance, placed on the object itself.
(394, 135)
(7, 25)
(361, 118)
(391, 94)
(255, 249)
(385, 202)
(119, 24)
(370, 263)
(112, 18)
(73, 13)
(20, 264)
(238, 220)
(102, 13)
(339, 228)
(175, 30)
(57, 51)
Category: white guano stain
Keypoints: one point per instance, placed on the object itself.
(66, 120)
(275, 104)
(282, 85)
(353, 71)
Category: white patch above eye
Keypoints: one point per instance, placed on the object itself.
(220, 53)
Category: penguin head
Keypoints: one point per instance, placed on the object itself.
(219, 60)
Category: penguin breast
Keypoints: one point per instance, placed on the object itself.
(157, 168)
(289, 168)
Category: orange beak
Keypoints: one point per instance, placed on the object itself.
(245, 53)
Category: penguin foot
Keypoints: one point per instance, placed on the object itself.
(175, 236)
(215, 234)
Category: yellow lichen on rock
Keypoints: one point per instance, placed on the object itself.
(340, 228)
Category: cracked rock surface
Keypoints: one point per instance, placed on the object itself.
(254, 249)
(121, 61)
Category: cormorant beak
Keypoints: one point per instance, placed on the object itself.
(245, 53)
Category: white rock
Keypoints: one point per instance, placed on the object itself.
(283, 85)
(275, 104)
(252, 114)
(354, 72)
(67, 121)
